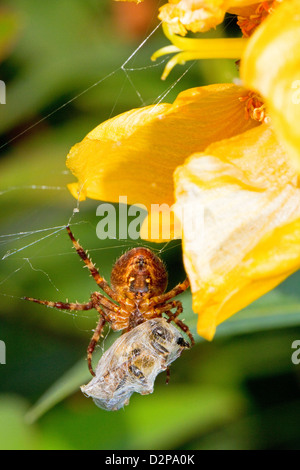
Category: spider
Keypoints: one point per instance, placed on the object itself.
(137, 293)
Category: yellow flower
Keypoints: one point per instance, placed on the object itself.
(247, 194)
(271, 65)
(216, 154)
(196, 16)
(250, 15)
(135, 153)
(270, 59)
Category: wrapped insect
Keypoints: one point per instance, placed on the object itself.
(133, 362)
(134, 302)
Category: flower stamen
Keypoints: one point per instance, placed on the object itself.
(255, 107)
(249, 24)
(192, 49)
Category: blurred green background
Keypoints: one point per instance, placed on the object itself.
(66, 69)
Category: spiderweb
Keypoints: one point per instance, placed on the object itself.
(36, 256)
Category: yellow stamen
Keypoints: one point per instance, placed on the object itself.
(192, 49)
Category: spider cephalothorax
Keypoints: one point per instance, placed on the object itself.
(137, 293)
(138, 275)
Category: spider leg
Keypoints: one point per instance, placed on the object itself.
(102, 283)
(94, 340)
(178, 311)
(106, 309)
(174, 316)
(159, 299)
(99, 299)
(63, 305)
(96, 298)
(116, 315)
(77, 306)
(155, 312)
(182, 326)
(168, 375)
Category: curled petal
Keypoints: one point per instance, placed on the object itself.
(239, 204)
(197, 15)
(271, 65)
(136, 153)
(192, 15)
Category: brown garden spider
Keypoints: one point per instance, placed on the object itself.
(138, 282)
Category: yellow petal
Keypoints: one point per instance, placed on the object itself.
(161, 224)
(196, 15)
(135, 153)
(271, 65)
(239, 205)
(192, 15)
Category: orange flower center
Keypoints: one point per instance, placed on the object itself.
(255, 108)
(249, 24)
